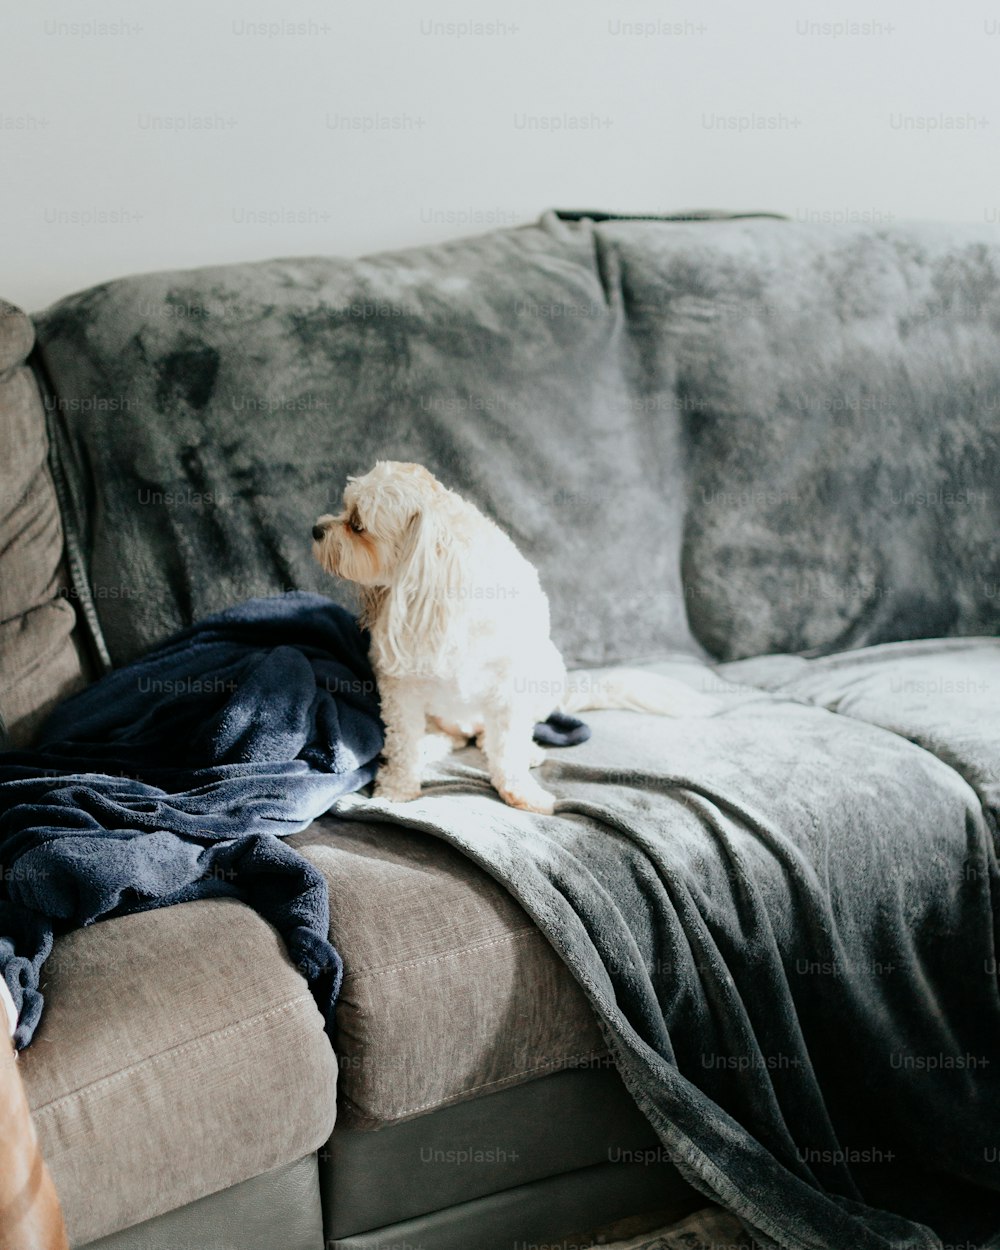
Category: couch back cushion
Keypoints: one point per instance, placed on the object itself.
(39, 663)
(209, 417)
(746, 436)
(838, 389)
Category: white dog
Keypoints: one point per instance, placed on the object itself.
(460, 633)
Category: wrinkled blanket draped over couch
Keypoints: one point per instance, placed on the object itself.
(729, 438)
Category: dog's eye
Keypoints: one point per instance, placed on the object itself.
(356, 525)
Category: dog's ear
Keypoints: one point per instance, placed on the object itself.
(425, 594)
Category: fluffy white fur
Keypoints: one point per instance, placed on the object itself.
(460, 633)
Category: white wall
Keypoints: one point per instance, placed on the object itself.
(717, 103)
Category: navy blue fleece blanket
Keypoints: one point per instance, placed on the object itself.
(168, 780)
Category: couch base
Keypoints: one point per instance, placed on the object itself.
(556, 1211)
(534, 1162)
(279, 1208)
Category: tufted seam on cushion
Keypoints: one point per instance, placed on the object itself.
(181, 1047)
(517, 935)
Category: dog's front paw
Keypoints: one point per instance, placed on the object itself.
(527, 795)
(396, 789)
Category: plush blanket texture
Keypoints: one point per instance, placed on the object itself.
(169, 779)
(786, 919)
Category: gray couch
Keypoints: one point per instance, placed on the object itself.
(718, 441)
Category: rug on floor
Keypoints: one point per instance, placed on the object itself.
(708, 1229)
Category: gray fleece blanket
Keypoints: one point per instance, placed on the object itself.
(785, 919)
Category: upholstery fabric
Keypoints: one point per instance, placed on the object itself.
(174, 777)
(798, 420)
(39, 663)
(586, 1199)
(181, 1053)
(449, 989)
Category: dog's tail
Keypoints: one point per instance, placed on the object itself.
(632, 690)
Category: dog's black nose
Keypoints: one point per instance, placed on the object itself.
(318, 533)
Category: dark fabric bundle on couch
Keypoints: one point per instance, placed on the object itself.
(167, 780)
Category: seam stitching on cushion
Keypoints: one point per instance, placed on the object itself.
(517, 936)
(553, 1067)
(114, 1077)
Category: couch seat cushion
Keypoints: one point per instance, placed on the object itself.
(449, 989)
(179, 1053)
